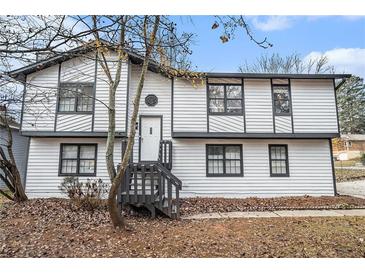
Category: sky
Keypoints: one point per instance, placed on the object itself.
(340, 38)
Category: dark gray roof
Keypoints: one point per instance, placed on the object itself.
(277, 75)
(137, 59)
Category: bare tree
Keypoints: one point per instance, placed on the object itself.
(293, 63)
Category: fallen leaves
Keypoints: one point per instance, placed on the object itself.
(192, 206)
(53, 228)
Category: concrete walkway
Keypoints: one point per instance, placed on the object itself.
(281, 213)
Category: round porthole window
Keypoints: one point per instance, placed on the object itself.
(151, 100)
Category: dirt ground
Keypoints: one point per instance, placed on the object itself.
(52, 228)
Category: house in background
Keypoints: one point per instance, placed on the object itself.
(20, 148)
(349, 146)
(235, 135)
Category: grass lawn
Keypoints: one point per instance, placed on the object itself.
(348, 163)
(52, 228)
(343, 174)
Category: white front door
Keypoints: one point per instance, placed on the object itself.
(150, 133)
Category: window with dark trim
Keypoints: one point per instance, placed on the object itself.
(224, 160)
(279, 163)
(281, 99)
(225, 99)
(76, 97)
(78, 160)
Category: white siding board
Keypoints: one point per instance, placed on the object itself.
(79, 69)
(258, 106)
(43, 164)
(74, 122)
(314, 106)
(283, 124)
(309, 164)
(190, 106)
(160, 86)
(226, 123)
(102, 94)
(40, 100)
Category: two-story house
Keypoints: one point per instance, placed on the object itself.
(234, 135)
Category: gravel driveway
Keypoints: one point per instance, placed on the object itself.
(355, 188)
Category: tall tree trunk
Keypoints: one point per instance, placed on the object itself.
(116, 218)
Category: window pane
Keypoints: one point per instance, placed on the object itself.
(215, 166)
(87, 152)
(66, 104)
(69, 151)
(69, 166)
(215, 152)
(233, 167)
(85, 101)
(216, 105)
(234, 106)
(216, 91)
(281, 100)
(234, 92)
(87, 166)
(279, 159)
(233, 152)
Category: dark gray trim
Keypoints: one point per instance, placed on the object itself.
(207, 102)
(26, 164)
(57, 97)
(291, 107)
(337, 117)
(277, 75)
(224, 174)
(243, 105)
(233, 135)
(95, 83)
(140, 130)
(272, 106)
(333, 167)
(172, 105)
(287, 173)
(77, 174)
(70, 134)
(23, 102)
(127, 99)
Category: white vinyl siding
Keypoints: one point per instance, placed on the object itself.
(283, 124)
(102, 94)
(258, 106)
(40, 100)
(309, 165)
(74, 122)
(226, 123)
(43, 164)
(160, 86)
(314, 106)
(190, 106)
(79, 69)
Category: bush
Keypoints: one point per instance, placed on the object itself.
(362, 159)
(88, 195)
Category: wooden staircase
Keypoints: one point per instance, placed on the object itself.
(152, 185)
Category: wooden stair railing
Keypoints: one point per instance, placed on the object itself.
(165, 154)
(151, 185)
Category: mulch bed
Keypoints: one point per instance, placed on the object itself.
(54, 228)
(192, 206)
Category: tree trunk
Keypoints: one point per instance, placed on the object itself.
(116, 218)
